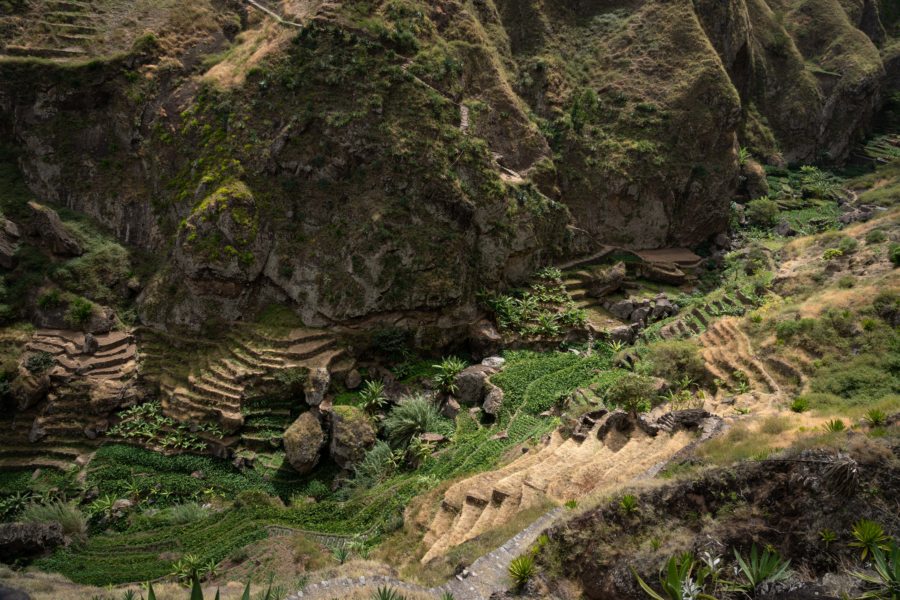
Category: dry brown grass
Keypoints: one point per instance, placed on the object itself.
(251, 48)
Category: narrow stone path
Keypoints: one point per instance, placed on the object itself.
(487, 575)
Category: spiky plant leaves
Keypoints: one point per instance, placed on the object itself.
(151, 595)
(196, 590)
(886, 580)
(246, 594)
(869, 536)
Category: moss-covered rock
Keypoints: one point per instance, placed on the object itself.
(352, 434)
(303, 442)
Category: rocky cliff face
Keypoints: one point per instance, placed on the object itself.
(404, 155)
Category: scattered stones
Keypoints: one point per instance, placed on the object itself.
(434, 438)
(28, 540)
(500, 436)
(198, 475)
(861, 213)
(352, 434)
(46, 225)
(303, 442)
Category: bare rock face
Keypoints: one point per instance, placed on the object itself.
(28, 540)
(303, 443)
(352, 434)
(9, 243)
(46, 225)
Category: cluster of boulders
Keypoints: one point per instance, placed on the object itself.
(19, 541)
(347, 433)
(474, 389)
(638, 313)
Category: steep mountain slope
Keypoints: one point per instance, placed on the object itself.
(389, 156)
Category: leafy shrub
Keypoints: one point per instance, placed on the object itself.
(66, 514)
(447, 371)
(848, 245)
(632, 392)
(762, 212)
(182, 514)
(887, 306)
(628, 504)
(49, 299)
(674, 359)
(413, 416)
(522, 569)
(876, 236)
(800, 405)
(79, 312)
(846, 282)
(832, 253)
(377, 465)
(894, 254)
(40, 362)
(372, 396)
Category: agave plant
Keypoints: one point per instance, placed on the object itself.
(834, 426)
(386, 593)
(868, 537)
(372, 396)
(876, 418)
(886, 580)
(678, 580)
(628, 504)
(522, 569)
(447, 371)
(761, 567)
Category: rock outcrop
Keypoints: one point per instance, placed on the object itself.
(19, 541)
(46, 225)
(303, 442)
(352, 434)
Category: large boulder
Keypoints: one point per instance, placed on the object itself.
(7, 593)
(46, 225)
(470, 383)
(608, 280)
(622, 309)
(28, 540)
(352, 434)
(493, 401)
(303, 443)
